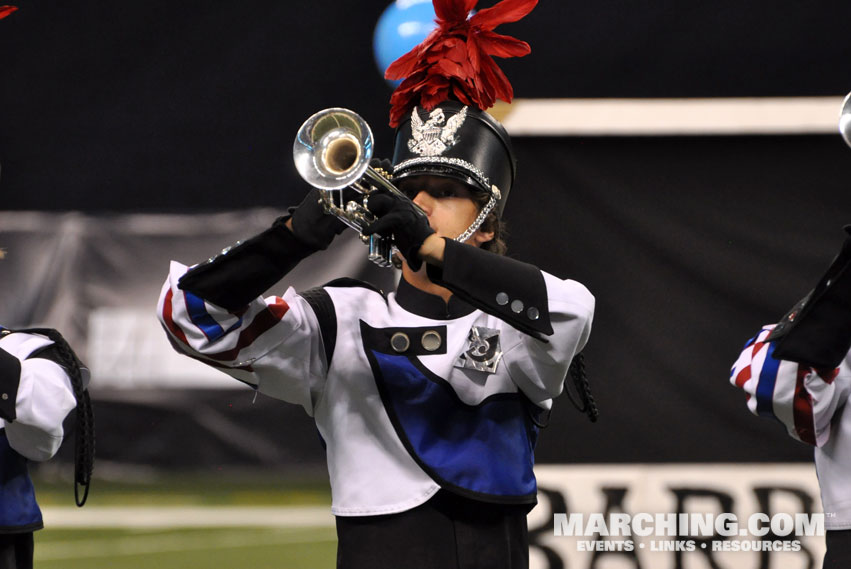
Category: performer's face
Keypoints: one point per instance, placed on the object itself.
(448, 204)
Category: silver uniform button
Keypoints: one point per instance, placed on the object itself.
(532, 313)
(400, 342)
(5, 396)
(517, 306)
(502, 299)
(431, 340)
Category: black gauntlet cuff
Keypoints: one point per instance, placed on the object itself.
(817, 331)
(511, 290)
(311, 225)
(10, 378)
(242, 273)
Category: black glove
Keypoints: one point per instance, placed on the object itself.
(380, 164)
(398, 217)
(311, 225)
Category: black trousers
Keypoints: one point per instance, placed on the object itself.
(16, 551)
(447, 532)
(838, 554)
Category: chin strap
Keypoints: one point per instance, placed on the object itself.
(481, 217)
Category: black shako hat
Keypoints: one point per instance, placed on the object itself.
(456, 141)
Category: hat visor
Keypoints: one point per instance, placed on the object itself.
(444, 171)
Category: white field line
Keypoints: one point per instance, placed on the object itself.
(146, 545)
(139, 517)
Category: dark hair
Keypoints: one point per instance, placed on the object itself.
(492, 223)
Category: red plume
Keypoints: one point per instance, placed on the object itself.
(456, 61)
(6, 10)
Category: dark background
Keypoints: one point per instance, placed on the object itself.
(192, 105)
(690, 244)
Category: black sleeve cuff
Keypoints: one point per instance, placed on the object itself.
(817, 331)
(513, 291)
(10, 378)
(242, 273)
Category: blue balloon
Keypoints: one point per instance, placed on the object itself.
(403, 25)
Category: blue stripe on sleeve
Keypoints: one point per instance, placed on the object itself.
(199, 316)
(750, 342)
(767, 381)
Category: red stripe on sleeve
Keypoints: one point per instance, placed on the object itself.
(217, 365)
(169, 320)
(828, 375)
(743, 376)
(803, 409)
(261, 324)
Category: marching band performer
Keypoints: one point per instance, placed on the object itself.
(41, 381)
(799, 373)
(428, 399)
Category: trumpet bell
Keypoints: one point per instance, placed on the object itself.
(332, 149)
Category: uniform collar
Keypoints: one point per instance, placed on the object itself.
(428, 305)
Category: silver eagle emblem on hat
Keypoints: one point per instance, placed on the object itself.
(437, 134)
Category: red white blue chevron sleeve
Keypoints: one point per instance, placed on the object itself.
(802, 398)
(271, 344)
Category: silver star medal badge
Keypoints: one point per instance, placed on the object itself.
(483, 350)
(433, 137)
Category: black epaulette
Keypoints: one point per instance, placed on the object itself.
(347, 282)
(10, 378)
(326, 314)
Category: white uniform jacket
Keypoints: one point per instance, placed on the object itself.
(409, 394)
(811, 404)
(35, 398)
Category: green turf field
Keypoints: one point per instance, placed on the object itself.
(219, 548)
(191, 488)
(293, 547)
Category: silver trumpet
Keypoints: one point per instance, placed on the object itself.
(331, 152)
(845, 120)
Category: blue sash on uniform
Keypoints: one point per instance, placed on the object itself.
(19, 511)
(484, 451)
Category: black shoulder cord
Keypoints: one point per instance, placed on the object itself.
(84, 439)
(586, 404)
